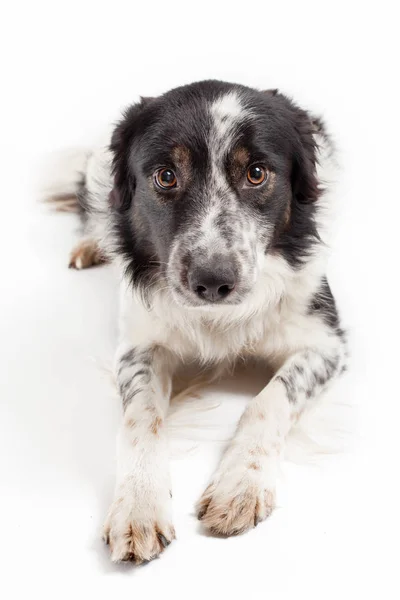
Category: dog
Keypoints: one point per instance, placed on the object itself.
(214, 202)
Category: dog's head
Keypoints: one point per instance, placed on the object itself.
(210, 179)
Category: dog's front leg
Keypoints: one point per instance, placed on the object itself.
(242, 491)
(138, 526)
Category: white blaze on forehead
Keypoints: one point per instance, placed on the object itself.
(226, 111)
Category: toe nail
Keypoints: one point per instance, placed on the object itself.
(163, 540)
(129, 557)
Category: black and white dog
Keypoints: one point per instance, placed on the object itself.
(213, 200)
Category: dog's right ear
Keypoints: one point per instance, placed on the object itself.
(121, 141)
(273, 92)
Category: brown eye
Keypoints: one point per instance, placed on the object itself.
(165, 179)
(256, 174)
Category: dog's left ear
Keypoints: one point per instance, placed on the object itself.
(304, 180)
(305, 185)
(121, 142)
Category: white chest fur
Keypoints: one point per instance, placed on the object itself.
(274, 322)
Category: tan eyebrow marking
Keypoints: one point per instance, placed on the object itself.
(182, 157)
(271, 182)
(241, 156)
(239, 160)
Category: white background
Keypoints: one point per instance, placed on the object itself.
(66, 70)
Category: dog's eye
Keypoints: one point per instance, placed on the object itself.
(165, 179)
(256, 174)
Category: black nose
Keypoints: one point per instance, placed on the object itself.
(212, 284)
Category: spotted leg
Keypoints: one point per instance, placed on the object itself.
(138, 525)
(242, 491)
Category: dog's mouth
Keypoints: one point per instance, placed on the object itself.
(186, 299)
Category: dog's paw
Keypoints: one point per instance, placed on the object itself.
(137, 533)
(86, 254)
(235, 502)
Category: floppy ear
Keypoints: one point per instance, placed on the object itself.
(305, 185)
(272, 92)
(121, 140)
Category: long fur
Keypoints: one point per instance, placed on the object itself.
(172, 246)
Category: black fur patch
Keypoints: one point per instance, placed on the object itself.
(129, 395)
(130, 385)
(135, 356)
(308, 377)
(324, 305)
(83, 202)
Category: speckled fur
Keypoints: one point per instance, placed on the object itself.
(281, 309)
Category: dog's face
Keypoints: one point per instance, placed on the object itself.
(209, 179)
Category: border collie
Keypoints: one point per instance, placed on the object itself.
(213, 201)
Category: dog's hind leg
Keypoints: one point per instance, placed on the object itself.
(86, 254)
(80, 181)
